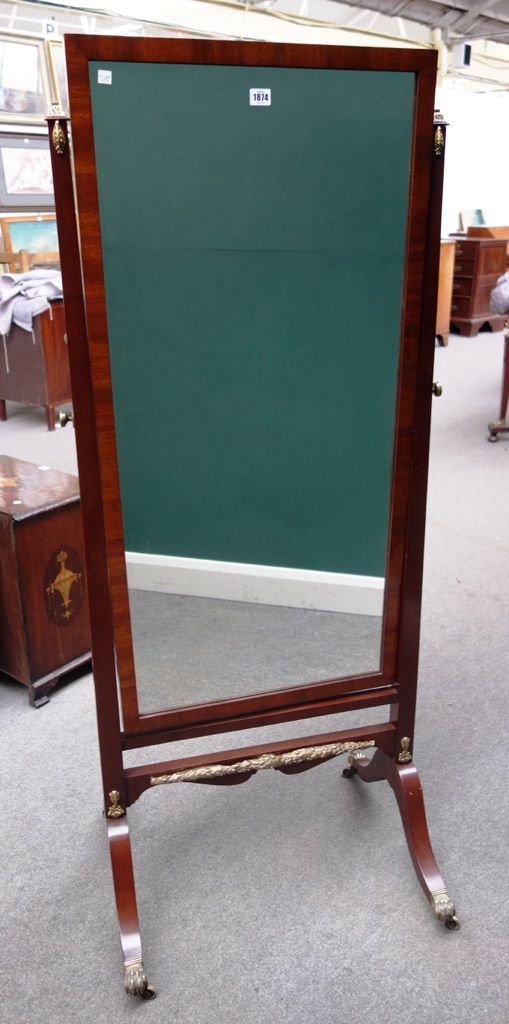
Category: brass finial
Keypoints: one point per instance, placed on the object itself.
(439, 141)
(405, 756)
(115, 810)
(58, 138)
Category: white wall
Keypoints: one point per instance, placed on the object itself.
(477, 155)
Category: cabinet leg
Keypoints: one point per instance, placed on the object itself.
(3, 410)
(37, 698)
(50, 416)
(406, 785)
(135, 979)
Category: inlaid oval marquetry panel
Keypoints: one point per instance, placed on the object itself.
(64, 586)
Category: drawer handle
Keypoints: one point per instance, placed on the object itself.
(454, 307)
(458, 266)
(459, 249)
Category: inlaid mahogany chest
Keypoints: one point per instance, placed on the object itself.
(44, 626)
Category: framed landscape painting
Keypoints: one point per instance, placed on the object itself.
(25, 173)
(24, 88)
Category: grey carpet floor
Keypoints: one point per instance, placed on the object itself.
(208, 648)
(286, 898)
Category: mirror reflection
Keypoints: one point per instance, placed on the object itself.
(193, 649)
(254, 291)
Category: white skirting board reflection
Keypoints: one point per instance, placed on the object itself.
(259, 584)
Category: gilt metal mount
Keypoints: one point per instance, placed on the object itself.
(444, 909)
(58, 138)
(135, 980)
(264, 761)
(405, 756)
(115, 810)
(439, 141)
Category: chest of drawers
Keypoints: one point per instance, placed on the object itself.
(478, 264)
(34, 365)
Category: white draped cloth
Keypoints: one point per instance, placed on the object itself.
(23, 296)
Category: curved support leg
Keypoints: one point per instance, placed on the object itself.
(406, 784)
(135, 979)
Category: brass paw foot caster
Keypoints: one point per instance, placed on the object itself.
(444, 910)
(64, 418)
(349, 772)
(135, 981)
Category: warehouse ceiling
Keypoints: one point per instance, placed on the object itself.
(456, 19)
(467, 19)
(442, 24)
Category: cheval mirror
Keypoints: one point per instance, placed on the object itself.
(249, 236)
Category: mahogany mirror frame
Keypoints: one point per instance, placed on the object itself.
(121, 724)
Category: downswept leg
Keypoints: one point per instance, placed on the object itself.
(135, 979)
(405, 782)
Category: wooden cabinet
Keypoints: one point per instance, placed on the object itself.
(34, 366)
(491, 231)
(478, 264)
(445, 279)
(44, 627)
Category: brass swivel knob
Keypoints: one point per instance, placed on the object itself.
(437, 389)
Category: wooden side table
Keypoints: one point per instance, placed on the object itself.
(445, 277)
(34, 366)
(44, 625)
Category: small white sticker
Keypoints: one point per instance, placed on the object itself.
(104, 77)
(260, 97)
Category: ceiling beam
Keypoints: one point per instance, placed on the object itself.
(468, 18)
(398, 8)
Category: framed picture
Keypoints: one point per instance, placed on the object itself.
(26, 180)
(58, 75)
(24, 87)
(36, 233)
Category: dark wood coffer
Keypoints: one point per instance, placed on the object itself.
(44, 625)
